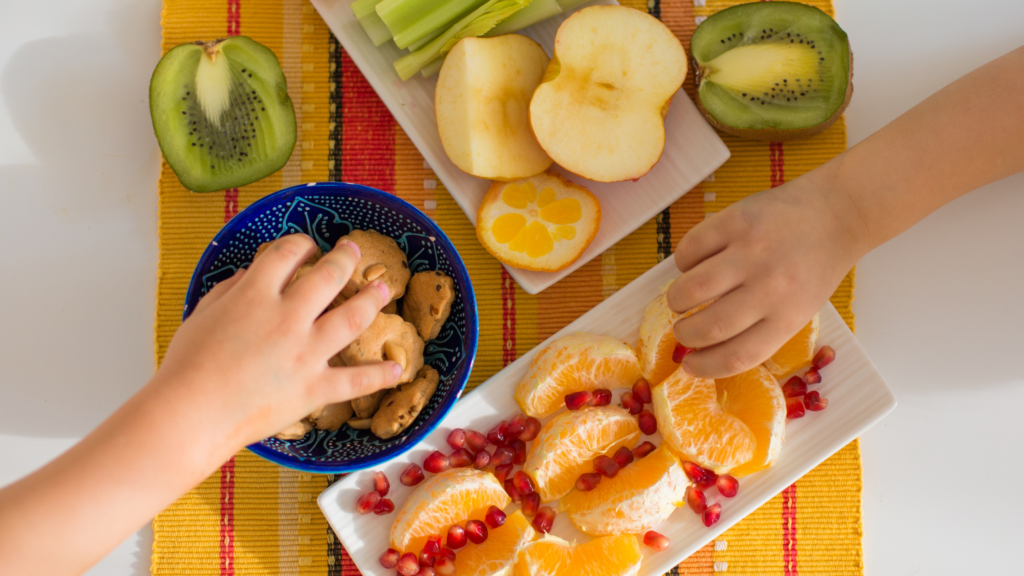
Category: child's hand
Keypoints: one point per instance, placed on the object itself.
(772, 260)
(254, 352)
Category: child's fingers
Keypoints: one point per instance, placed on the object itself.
(274, 268)
(738, 354)
(702, 242)
(218, 291)
(339, 327)
(311, 293)
(348, 382)
(705, 281)
(726, 317)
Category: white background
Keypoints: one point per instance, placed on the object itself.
(938, 309)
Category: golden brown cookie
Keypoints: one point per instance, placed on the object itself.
(402, 405)
(295, 431)
(331, 416)
(380, 258)
(388, 338)
(428, 302)
(366, 406)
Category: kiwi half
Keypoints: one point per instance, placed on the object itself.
(221, 113)
(772, 71)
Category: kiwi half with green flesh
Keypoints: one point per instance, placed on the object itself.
(221, 113)
(772, 71)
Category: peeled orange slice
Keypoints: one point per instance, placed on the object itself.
(639, 497)
(607, 556)
(796, 353)
(755, 398)
(575, 362)
(540, 223)
(657, 341)
(451, 497)
(497, 554)
(567, 445)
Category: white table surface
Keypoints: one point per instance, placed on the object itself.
(938, 309)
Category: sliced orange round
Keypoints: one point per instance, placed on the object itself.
(796, 353)
(607, 556)
(756, 399)
(657, 342)
(567, 445)
(451, 497)
(572, 363)
(541, 223)
(497, 554)
(638, 498)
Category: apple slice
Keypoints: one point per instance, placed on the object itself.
(600, 111)
(481, 103)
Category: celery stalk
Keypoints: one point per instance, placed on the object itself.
(534, 12)
(425, 40)
(571, 4)
(443, 16)
(432, 68)
(366, 13)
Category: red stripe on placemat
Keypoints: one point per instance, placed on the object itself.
(367, 132)
(230, 203)
(789, 549)
(234, 18)
(508, 318)
(777, 162)
(348, 567)
(227, 518)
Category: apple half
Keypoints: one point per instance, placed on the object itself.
(600, 111)
(481, 104)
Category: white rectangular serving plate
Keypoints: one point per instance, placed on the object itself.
(858, 398)
(692, 148)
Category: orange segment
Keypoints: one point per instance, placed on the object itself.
(796, 353)
(757, 400)
(657, 341)
(541, 223)
(575, 362)
(567, 445)
(641, 496)
(607, 556)
(451, 497)
(497, 554)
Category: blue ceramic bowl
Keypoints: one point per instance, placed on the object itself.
(326, 212)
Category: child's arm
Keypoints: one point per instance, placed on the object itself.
(249, 361)
(775, 257)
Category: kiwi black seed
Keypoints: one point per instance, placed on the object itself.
(790, 50)
(203, 99)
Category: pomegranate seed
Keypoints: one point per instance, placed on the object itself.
(456, 536)
(679, 353)
(460, 458)
(380, 483)
(457, 438)
(515, 427)
(648, 423)
(814, 402)
(510, 488)
(712, 514)
(523, 483)
(812, 376)
(794, 408)
(412, 475)
(482, 459)
(476, 531)
(602, 397)
(629, 402)
(643, 450)
(696, 500)
(445, 566)
(530, 429)
(702, 477)
(433, 546)
(427, 559)
(503, 454)
(823, 358)
(657, 541)
(623, 457)
(794, 387)
(502, 472)
(520, 452)
(605, 466)
(642, 391)
(408, 564)
(577, 400)
(588, 481)
(475, 441)
(530, 504)
(496, 435)
(447, 552)
(426, 571)
(389, 559)
(367, 502)
(495, 517)
(435, 462)
(727, 485)
(384, 506)
(544, 519)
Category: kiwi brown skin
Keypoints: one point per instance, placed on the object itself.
(775, 134)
